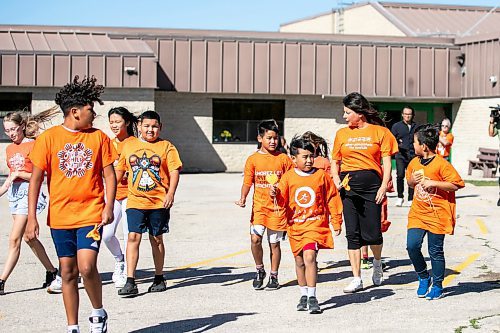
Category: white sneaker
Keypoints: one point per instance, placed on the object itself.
(55, 286)
(353, 286)
(119, 270)
(408, 203)
(378, 274)
(399, 202)
(120, 282)
(99, 324)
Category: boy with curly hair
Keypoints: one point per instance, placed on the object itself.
(76, 157)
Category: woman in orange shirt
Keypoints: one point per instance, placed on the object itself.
(356, 169)
(123, 124)
(21, 129)
(445, 139)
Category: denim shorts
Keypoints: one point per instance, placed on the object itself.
(18, 199)
(154, 221)
(68, 241)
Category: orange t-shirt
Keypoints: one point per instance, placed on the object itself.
(321, 162)
(434, 211)
(148, 165)
(312, 201)
(257, 166)
(17, 156)
(74, 162)
(122, 186)
(445, 150)
(363, 148)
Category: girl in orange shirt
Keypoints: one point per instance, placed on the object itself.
(432, 212)
(356, 168)
(321, 160)
(123, 124)
(312, 204)
(22, 129)
(445, 139)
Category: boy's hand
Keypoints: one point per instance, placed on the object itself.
(417, 176)
(337, 232)
(428, 184)
(273, 191)
(14, 175)
(107, 215)
(169, 201)
(32, 229)
(241, 202)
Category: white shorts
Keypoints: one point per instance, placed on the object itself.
(273, 236)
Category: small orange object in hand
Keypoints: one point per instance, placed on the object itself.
(94, 233)
(345, 182)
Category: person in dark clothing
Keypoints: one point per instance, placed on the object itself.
(403, 131)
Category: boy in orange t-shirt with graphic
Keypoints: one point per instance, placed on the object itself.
(432, 212)
(263, 169)
(153, 166)
(75, 157)
(312, 203)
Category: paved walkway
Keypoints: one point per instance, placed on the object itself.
(209, 270)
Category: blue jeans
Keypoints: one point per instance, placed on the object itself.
(435, 242)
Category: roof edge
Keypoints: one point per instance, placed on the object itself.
(477, 38)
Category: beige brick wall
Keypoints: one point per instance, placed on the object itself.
(470, 129)
(187, 122)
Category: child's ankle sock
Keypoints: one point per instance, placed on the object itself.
(274, 274)
(311, 291)
(259, 267)
(303, 290)
(73, 329)
(98, 312)
(131, 280)
(159, 278)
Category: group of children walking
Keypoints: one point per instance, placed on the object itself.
(297, 198)
(95, 182)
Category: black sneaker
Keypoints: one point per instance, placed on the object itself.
(2, 287)
(258, 282)
(128, 289)
(49, 277)
(498, 202)
(157, 286)
(302, 306)
(273, 283)
(312, 304)
(99, 324)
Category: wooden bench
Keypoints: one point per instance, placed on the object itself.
(487, 162)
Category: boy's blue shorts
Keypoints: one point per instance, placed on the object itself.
(154, 221)
(69, 241)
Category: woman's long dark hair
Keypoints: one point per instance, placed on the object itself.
(359, 104)
(128, 117)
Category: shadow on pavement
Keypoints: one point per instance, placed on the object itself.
(471, 287)
(359, 297)
(196, 324)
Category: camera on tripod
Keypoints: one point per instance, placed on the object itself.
(495, 113)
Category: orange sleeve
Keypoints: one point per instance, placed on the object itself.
(449, 174)
(288, 163)
(337, 145)
(450, 138)
(410, 168)
(334, 203)
(389, 144)
(173, 158)
(40, 155)
(283, 189)
(122, 160)
(108, 152)
(249, 172)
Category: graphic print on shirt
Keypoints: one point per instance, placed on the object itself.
(75, 160)
(145, 168)
(425, 196)
(305, 198)
(17, 161)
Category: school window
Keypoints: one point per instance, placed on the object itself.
(236, 120)
(10, 102)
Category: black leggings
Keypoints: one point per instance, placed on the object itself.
(361, 214)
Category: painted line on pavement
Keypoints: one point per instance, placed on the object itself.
(208, 261)
(459, 268)
(482, 227)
